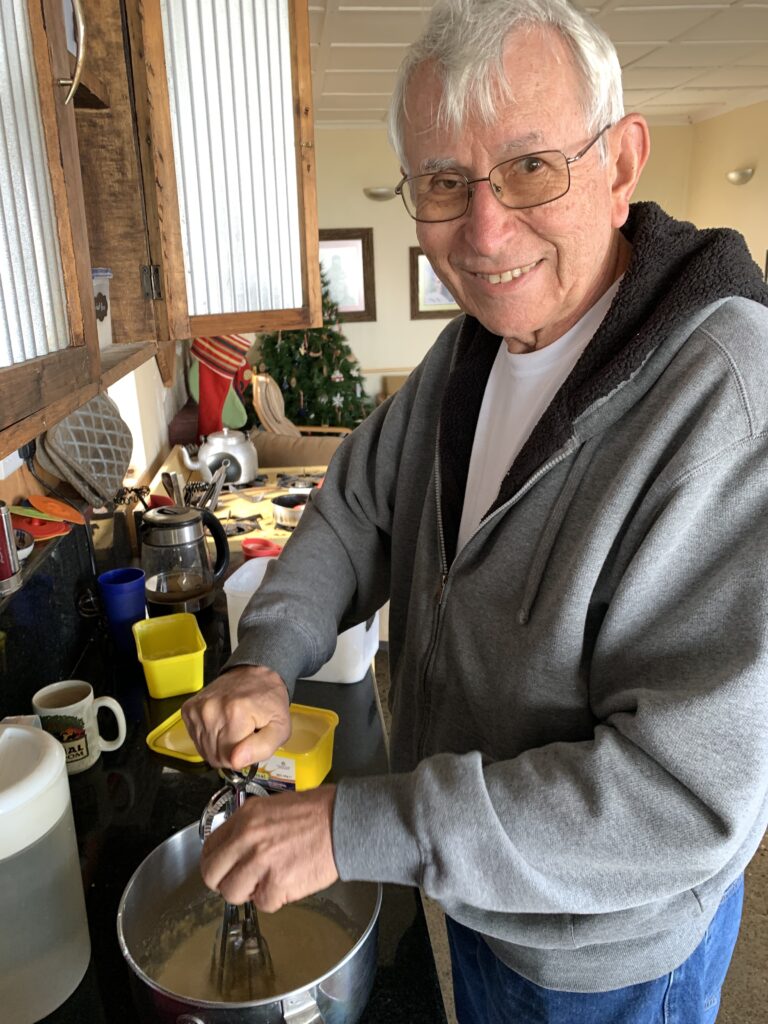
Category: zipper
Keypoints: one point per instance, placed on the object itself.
(440, 532)
(439, 600)
(568, 448)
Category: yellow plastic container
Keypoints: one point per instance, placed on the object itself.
(170, 649)
(172, 739)
(302, 763)
(305, 759)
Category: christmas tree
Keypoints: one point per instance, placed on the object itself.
(319, 377)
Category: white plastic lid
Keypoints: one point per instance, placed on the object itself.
(34, 791)
(101, 272)
(247, 579)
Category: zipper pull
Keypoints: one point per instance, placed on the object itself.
(439, 595)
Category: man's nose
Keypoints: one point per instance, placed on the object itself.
(487, 220)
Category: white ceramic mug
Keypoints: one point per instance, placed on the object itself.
(67, 711)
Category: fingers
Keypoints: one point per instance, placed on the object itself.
(259, 745)
(248, 703)
(273, 850)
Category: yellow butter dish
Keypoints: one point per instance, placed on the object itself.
(305, 759)
(301, 763)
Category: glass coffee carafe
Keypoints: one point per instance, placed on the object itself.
(176, 561)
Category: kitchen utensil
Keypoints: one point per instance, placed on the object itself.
(167, 482)
(241, 961)
(210, 498)
(54, 507)
(171, 650)
(225, 444)
(177, 485)
(67, 710)
(287, 510)
(44, 942)
(176, 561)
(167, 885)
(41, 529)
(32, 513)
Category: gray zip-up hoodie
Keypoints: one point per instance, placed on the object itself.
(580, 697)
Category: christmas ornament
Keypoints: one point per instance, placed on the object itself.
(337, 376)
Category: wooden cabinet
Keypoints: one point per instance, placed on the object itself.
(113, 179)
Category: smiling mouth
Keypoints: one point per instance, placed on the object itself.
(508, 275)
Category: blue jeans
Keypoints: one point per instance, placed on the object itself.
(488, 992)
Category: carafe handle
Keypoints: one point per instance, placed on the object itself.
(220, 539)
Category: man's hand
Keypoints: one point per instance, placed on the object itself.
(273, 850)
(239, 719)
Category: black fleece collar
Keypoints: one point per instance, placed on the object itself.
(675, 270)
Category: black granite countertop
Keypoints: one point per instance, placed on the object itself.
(133, 799)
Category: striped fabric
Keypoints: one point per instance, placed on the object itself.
(223, 354)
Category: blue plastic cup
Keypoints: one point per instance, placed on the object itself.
(123, 600)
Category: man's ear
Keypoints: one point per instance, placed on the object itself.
(630, 146)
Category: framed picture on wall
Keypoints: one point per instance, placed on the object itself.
(346, 256)
(430, 298)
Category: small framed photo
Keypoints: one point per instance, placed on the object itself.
(346, 256)
(430, 298)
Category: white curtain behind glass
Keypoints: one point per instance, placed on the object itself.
(229, 81)
(33, 311)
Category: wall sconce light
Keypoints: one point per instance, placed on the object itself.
(379, 193)
(740, 176)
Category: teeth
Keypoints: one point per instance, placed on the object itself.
(508, 275)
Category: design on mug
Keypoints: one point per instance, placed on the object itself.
(70, 732)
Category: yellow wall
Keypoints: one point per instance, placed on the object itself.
(666, 176)
(348, 160)
(722, 144)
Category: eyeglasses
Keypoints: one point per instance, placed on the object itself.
(519, 184)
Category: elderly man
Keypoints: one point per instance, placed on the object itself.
(565, 505)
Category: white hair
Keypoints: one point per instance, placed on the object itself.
(465, 41)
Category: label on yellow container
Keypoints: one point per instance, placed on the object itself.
(277, 772)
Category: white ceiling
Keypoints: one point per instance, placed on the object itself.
(683, 61)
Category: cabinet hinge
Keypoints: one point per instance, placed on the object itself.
(150, 281)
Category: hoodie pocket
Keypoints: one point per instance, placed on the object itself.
(673, 912)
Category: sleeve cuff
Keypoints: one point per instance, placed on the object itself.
(372, 841)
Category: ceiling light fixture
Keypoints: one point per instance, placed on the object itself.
(379, 193)
(740, 176)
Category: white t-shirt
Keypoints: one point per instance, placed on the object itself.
(519, 389)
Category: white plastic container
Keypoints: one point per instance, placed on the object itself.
(101, 278)
(355, 648)
(44, 941)
(239, 588)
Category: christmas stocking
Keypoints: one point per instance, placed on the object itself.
(221, 359)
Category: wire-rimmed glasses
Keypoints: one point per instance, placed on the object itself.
(520, 183)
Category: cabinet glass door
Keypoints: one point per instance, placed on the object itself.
(247, 213)
(33, 306)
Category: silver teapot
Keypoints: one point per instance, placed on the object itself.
(222, 445)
